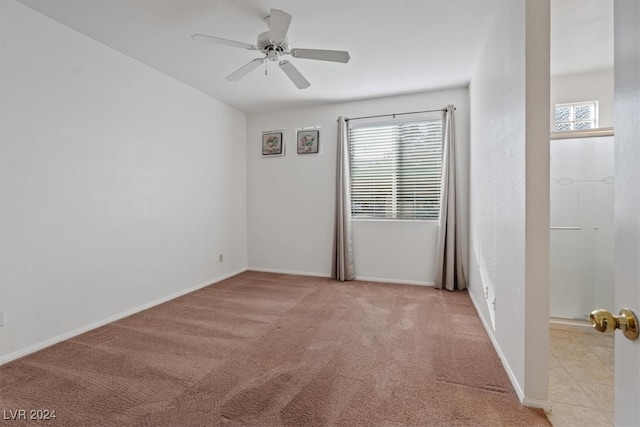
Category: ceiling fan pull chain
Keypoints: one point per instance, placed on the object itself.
(266, 65)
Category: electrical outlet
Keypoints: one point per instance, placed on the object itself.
(220, 258)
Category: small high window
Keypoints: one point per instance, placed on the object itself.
(576, 116)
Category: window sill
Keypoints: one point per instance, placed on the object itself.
(422, 221)
(570, 134)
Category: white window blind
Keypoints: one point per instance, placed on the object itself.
(395, 169)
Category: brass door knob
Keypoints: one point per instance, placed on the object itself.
(627, 322)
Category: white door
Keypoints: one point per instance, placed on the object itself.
(627, 203)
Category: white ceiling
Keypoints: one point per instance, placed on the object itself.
(396, 46)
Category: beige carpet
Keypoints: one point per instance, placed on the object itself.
(275, 350)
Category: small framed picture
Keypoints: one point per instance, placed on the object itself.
(272, 144)
(308, 141)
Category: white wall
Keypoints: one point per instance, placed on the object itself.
(291, 198)
(509, 97)
(120, 185)
(590, 86)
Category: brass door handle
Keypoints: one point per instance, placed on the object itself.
(627, 322)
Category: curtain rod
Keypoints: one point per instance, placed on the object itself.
(346, 119)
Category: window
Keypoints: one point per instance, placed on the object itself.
(395, 169)
(578, 116)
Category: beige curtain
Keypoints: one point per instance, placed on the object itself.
(343, 268)
(449, 267)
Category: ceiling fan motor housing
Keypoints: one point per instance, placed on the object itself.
(270, 48)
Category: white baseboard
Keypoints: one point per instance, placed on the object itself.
(526, 401)
(280, 271)
(398, 281)
(363, 278)
(537, 403)
(571, 325)
(67, 335)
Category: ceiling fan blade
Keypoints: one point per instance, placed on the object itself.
(295, 76)
(279, 22)
(322, 55)
(223, 42)
(245, 69)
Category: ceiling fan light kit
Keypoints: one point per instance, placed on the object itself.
(273, 44)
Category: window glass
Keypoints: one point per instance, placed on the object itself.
(578, 116)
(395, 170)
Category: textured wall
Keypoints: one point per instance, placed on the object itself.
(120, 186)
(509, 114)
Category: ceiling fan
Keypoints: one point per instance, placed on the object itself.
(274, 44)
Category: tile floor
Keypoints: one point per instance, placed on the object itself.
(581, 379)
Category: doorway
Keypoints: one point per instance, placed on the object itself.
(581, 372)
(581, 369)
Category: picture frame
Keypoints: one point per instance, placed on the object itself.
(272, 144)
(308, 141)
